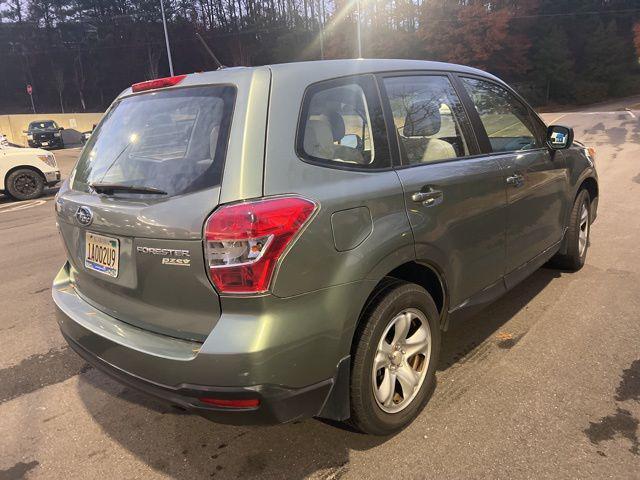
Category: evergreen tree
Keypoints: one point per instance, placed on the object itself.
(554, 64)
(99, 47)
(603, 55)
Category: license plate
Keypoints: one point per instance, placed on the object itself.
(45, 144)
(102, 254)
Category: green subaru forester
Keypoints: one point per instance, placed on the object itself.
(260, 245)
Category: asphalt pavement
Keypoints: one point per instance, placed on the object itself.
(545, 383)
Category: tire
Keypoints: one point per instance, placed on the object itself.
(382, 321)
(24, 184)
(577, 235)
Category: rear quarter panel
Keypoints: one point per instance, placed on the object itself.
(318, 259)
(341, 267)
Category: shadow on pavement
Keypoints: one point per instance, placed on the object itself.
(462, 339)
(47, 194)
(185, 446)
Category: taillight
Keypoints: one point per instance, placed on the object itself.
(157, 83)
(244, 241)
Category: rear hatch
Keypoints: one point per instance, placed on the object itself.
(132, 215)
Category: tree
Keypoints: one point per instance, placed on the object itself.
(106, 45)
(603, 54)
(58, 81)
(554, 63)
(477, 35)
(13, 12)
(80, 78)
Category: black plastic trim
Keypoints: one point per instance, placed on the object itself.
(338, 403)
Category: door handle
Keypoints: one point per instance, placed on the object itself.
(516, 180)
(428, 199)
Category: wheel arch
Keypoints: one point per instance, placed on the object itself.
(23, 167)
(4, 186)
(588, 182)
(591, 185)
(429, 276)
(421, 272)
(424, 273)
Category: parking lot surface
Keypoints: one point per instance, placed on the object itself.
(545, 383)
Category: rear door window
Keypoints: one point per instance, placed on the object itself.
(342, 125)
(428, 117)
(507, 121)
(173, 140)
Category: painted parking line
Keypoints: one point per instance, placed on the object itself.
(556, 119)
(545, 116)
(14, 207)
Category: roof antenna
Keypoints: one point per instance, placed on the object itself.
(206, 47)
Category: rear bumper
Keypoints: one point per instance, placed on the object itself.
(294, 373)
(277, 404)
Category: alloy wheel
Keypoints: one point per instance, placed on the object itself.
(25, 184)
(583, 235)
(401, 361)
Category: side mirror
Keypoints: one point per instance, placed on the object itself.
(559, 137)
(60, 128)
(352, 141)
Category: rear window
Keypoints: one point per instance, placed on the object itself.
(174, 140)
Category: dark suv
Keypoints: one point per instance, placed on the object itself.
(267, 244)
(45, 134)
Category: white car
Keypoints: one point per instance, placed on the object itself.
(24, 172)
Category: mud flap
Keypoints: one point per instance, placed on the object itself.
(337, 406)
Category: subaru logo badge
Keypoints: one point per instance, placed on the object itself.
(84, 215)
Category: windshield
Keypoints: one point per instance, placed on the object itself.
(172, 140)
(47, 124)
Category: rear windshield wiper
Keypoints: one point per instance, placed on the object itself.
(111, 188)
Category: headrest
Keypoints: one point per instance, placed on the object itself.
(423, 119)
(318, 138)
(337, 125)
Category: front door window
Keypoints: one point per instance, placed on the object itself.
(507, 122)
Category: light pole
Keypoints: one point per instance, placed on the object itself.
(359, 38)
(322, 31)
(166, 37)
